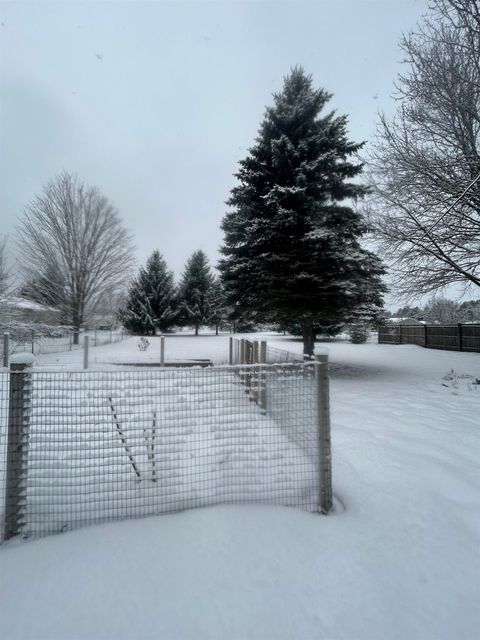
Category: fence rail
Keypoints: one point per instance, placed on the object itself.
(85, 447)
(454, 337)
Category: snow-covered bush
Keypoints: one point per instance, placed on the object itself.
(358, 333)
(143, 344)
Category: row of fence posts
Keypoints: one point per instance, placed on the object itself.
(86, 344)
(253, 352)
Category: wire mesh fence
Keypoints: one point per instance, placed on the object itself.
(85, 447)
(246, 351)
(56, 341)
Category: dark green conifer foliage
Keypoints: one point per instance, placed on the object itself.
(219, 312)
(152, 301)
(196, 292)
(292, 248)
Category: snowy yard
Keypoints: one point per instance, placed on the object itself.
(397, 560)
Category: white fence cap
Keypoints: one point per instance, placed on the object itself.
(22, 358)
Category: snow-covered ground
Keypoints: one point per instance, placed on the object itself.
(181, 346)
(399, 559)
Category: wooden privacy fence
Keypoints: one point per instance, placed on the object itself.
(453, 337)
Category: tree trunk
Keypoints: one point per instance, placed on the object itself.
(77, 319)
(216, 329)
(76, 329)
(308, 337)
(196, 329)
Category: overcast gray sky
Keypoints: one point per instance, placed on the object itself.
(155, 102)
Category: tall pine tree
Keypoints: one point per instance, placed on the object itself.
(292, 248)
(152, 300)
(196, 292)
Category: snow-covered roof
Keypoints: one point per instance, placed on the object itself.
(22, 303)
(404, 321)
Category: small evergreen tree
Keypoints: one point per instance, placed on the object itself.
(219, 310)
(292, 245)
(152, 301)
(196, 292)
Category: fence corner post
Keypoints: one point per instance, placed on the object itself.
(85, 352)
(17, 439)
(323, 425)
(6, 348)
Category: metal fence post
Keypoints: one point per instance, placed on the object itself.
(460, 337)
(162, 351)
(230, 350)
(256, 372)
(110, 336)
(17, 440)
(262, 378)
(6, 348)
(33, 342)
(242, 351)
(324, 446)
(85, 352)
(70, 340)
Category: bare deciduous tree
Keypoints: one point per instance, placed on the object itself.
(442, 310)
(425, 165)
(4, 272)
(73, 248)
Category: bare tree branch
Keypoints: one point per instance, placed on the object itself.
(4, 271)
(425, 164)
(73, 248)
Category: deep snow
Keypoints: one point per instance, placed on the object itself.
(398, 559)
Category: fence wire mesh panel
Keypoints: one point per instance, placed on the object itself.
(278, 356)
(85, 447)
(55, 340)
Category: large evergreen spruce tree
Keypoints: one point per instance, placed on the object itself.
(152, 301)
(292, 250)
(196, 292)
